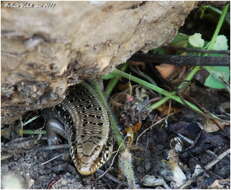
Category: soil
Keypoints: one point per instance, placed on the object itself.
(30, 159)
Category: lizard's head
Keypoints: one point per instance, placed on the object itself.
(88, 164)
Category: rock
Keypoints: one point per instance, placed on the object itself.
(152, 181)
(52, 46)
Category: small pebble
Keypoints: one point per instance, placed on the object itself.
(152, 181)
(12, 180)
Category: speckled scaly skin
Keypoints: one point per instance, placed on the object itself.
(83, 120)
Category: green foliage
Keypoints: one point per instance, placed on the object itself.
(219, 75)
(213, 10)
(196, 40)
(221, 43)
(181, 40)
(108, 76)
(159, 51)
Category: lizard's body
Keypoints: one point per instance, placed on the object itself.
(83, 120)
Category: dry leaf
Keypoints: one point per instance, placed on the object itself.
(165, 70)
(210, 126)
(166, 109)
(220, 184)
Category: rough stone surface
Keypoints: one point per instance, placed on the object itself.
(45, 50)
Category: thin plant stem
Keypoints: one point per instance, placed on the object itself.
(157, 89)
(158, 103)
(114, 125)
(113, 82)
(218, 28)
(188, 78)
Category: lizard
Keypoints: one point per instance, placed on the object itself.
(84, 122)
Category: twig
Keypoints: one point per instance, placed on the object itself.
(207, 167)
(219, 158)
(30, 120)
(59, 155)
(112, 162)
(188, 140)
(227, 52)
(54, 147)
(156, 123)
(109, 176)
(193, 60)
(191, 142)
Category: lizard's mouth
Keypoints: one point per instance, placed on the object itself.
(88, 168)
(85, 171)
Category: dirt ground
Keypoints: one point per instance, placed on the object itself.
(162, 158)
